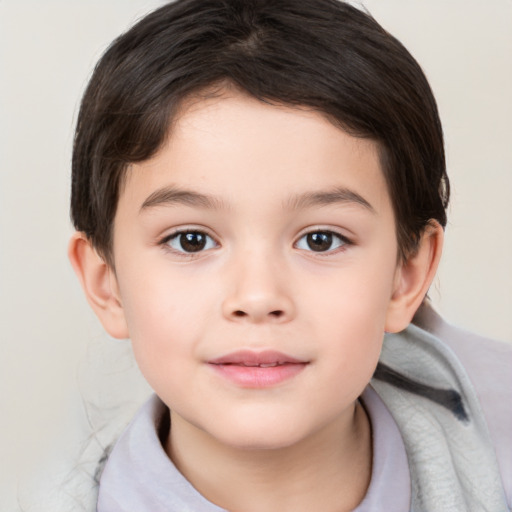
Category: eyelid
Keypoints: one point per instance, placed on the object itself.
(346, 241)
(187, 228)
(164, 240)
(321, 228)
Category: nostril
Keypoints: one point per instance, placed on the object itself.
(276, 314)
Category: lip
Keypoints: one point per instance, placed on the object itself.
(251, 369)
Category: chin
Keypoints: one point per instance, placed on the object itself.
(260, 442)
(261, 435)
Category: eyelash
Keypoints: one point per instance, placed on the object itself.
(328, 236)
(209, 243)
(331, 235)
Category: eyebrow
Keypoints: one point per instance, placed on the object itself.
(171, 195)
(168, 196)
(328, 197)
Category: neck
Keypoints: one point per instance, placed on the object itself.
(329, 470)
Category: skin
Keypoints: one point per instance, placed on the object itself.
(255, 179)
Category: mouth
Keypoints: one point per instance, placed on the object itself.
(251, 369)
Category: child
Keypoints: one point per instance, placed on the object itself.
(259, 193)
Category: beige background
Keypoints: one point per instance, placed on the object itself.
(60, 375)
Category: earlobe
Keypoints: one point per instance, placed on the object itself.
(413, 278)
(99, 283)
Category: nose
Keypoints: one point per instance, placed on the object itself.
(259, 292)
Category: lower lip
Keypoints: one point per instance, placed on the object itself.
(258, 377)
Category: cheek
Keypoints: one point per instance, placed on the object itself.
(165, 319)
(353, 300)
(349, 313)
(353, 343)
(354, 338)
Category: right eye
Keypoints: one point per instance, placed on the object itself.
(190, 241)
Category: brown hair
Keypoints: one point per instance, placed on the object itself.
(324, 54)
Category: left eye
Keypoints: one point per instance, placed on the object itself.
(321, 241)
(190, 241)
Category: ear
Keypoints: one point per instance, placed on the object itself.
(99, 283)
(413, 278)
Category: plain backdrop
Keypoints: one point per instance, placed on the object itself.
(58, 371)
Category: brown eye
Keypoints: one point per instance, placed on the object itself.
(190, 241)
(321, 241)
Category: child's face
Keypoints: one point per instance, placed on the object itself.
(290, 258)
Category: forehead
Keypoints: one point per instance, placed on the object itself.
(238, 148)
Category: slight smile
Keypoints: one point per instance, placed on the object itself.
(251, 369)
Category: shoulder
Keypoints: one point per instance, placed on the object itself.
(488, 364)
